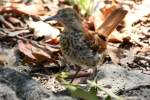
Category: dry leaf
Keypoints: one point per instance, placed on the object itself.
(44, 29)
(138, 13)
(106, 11)
(100, 16)
(25, 48)
(145, 49)
(115, 54)
(98, 19)
(117, 37)
(53, 49)
(36, 8)
(34, 53)
(39, 53)
(54, 41)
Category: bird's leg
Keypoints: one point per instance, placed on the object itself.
(74, 76)
(95, 74)
(95, 71)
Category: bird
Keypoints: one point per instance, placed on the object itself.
(78, 47)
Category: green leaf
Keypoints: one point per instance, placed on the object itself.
(108, 98)
(62, 75)
(108, 92)
(77, 91)
(93, 90)
(87, 6)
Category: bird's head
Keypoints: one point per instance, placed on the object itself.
(68, 17)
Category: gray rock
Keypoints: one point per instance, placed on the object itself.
(117, 79)
(15, 85)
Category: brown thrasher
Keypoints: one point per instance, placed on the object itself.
(80, 48)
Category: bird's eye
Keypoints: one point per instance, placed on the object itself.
(64, 15)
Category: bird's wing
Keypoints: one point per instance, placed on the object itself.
(95, 42)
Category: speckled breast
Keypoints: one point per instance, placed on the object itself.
(77, 51)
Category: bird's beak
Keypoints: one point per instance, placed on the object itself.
(51, 18)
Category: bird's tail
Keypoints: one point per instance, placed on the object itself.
(111, 22)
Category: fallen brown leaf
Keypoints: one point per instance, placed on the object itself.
(44, 29)
(54, 41)
(117, 37)
(115, 54)
(35, 8)
(26, 48)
